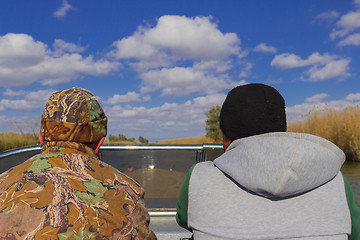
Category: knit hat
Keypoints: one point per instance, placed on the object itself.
(73, 115)
(252, 109)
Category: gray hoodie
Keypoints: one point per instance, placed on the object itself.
(271, 186)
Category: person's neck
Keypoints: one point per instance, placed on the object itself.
(80, 147)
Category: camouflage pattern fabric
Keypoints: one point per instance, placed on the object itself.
(67, 193)
(73, 115)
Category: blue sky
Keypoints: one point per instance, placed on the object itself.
(157, 66)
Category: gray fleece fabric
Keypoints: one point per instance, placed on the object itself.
(271, 186)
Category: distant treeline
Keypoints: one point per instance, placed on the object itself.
(122, 138)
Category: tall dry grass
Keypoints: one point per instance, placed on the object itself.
(14, 140)
(340, 127)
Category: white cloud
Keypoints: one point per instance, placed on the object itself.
(177, 38)
(146, 98)
(262, 47)
(353, 97)
(316, 98)
(287, 60)
(168, 124)
(299, 111)
(181, 55)
(20, 50)
(182, 81)
(24, 61)
(60, 47)
(323, 67)
(333, 69)
(328, 16)
(357, 3)
(213, 65)
(129, 97)
(11, 93)
(272, 81)
(347, 23)
(188, 117)
(63, 10)
(353, 39)
(246, 71)
(31, 101)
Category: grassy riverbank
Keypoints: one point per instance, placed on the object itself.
(340, 127)
(15, 140)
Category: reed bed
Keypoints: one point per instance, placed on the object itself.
(14, 140)
(341, 127)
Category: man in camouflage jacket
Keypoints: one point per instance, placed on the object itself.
(66, 192)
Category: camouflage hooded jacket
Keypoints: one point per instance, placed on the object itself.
(67, 193)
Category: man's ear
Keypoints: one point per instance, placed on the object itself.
(99, 144)
(40, 139)
(226, 143)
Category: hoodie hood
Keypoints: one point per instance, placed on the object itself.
(281, 164)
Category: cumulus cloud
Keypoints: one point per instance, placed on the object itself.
(181, 81)
(178, 118)
(323, 67)
(353, 39)
(347, 24)
(348, 28)
(177, 38)
(11, 93)
(287, 60)
(213, 65)
(316, 98)
(180, 55)
(129, 97)
(327, 16)
(357, 3)
(20, 50)
(63, 10)
(60, 47)
(246, 71)
(24, 61)
(299, 111)
(29, 101)
(333, 69)
(262, 47)
(272, 81)
(353, 97)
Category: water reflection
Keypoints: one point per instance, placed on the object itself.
(159, 172)
(352, 172)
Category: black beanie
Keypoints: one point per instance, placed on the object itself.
(252, 109)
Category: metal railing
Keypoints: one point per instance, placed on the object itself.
(122, 147)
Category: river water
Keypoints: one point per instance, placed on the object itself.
(352, 172)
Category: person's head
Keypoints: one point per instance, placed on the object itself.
(252, 109)
(73, 115)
